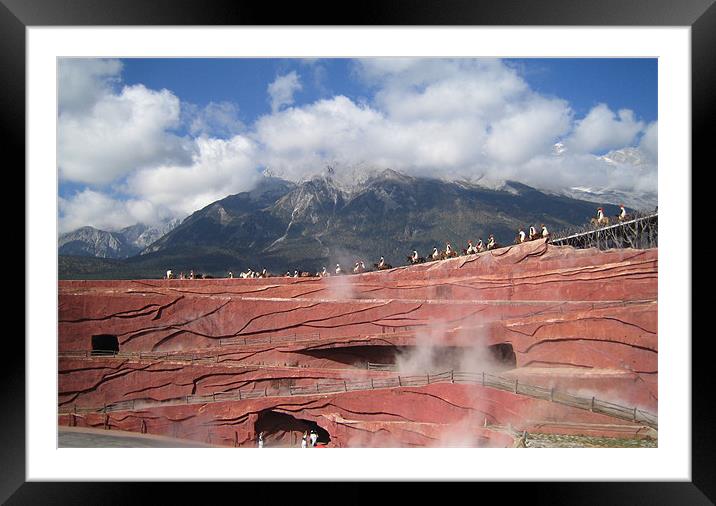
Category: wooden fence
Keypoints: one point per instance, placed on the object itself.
(592, 404)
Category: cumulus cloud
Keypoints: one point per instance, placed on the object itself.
(282, 89)
(218, 168)
(118, 134)
(602, 130)
(649, 143)
(216, 119)
(444, 118)
(98, 210)
(81, 82)
(528, 130)
(410, 89)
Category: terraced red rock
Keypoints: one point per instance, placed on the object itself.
(577, 320)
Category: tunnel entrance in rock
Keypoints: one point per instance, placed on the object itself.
(503, 356)
(421, 359)
(436, 359)
(104, 344)
(355, 356)
(282, 430)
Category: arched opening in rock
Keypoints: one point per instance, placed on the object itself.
(503, 355)
(355, 356)
(437, 359)
(286, 431)
(421, 359)
(104, 344)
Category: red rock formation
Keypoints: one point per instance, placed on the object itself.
(582, 321)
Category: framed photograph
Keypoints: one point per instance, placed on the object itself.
(415, 240)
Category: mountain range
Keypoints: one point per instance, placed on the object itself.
(281, 225)
(129, 241)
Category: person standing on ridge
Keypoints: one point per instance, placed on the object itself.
(533, 233)
(622, 214)
(491, 242)
(545, 233)
(521, 235)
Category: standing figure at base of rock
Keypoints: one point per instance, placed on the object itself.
(314, 438)
(304, 440)
(261, 439)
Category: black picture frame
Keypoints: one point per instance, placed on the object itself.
(700, 15)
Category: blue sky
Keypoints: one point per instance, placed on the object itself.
(584, 82)
(151, 139)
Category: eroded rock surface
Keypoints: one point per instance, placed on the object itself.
(578, 321)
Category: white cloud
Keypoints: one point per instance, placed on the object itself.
(282, 89)
(101, 211)
(528, 130)
(119, 134)
(81, 82)
(219, 168)
(411, 89)
(602, 130)
(433, 117)
(444, 118)
(216, 119)
(650, 141)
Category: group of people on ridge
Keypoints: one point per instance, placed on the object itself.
(533, 234)
(414, 258)
(602, 220)
(191, 275)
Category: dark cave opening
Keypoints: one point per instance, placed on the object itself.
(281, 430)
(503, 355)
(104, 344)
(496, 357)
(356, 356)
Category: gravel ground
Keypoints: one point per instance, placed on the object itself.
(117, 439)
(565, 441)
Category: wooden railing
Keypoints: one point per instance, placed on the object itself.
(592, 404)
(641, 231)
